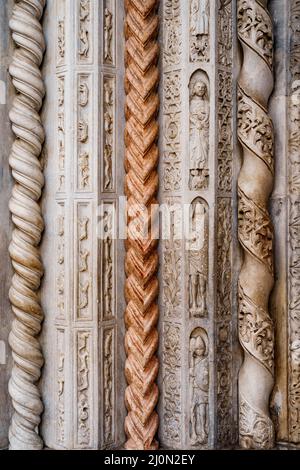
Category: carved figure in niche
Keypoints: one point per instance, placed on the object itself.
(83, 131)
(84, 170)
(197, 257)
(108, 26)
(199, 134)
(107, 261)
(199, 29)
(83, 94)
(84, 295)
(108, 386)
(199, 383)
(84, 41)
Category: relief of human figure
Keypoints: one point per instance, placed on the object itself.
(197, 262)
(199, 17)
(199, 134)
(108, 26)
(199, 383)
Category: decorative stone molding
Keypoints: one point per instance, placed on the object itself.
(294, 226)
(141, 289)
(255, 133)
(28, 37)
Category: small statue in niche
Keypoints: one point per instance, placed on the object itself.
(197, 254)
(108, 26)
(199, 29)
(199, 17)
(199, 383)
(199, 135)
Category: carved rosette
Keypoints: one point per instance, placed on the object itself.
(255, 132)
(28, 37)
(141, 185)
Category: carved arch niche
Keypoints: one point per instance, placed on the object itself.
(197, 258)
(199, 123)
(199, 387)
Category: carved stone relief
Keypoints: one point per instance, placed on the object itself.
(199, 30)
(199, 387)
(197, 254)
(84, 171)
(109, 377)
(84, 387)
(172, 414)
(199, 131)
(255, 133)
(85, 31)
(172, 32)
(109, 32)
(109, 134)
(294, 225)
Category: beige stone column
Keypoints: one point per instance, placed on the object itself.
(82, 292)
(256, 135)
(197, 377)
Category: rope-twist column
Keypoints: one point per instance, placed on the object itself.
(25, 71)
(255, 183)
(141, 29)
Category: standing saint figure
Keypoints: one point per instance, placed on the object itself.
(199, 126)
(108, 26)
(199, 17)
(197, 262)
(199, 382)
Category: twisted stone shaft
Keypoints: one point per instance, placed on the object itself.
(26, 76)
(255, 183)
(141, 81)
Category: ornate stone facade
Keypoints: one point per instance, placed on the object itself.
(209, 349)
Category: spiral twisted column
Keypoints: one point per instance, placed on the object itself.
(255, 132)
(25, 71)
(141, 316)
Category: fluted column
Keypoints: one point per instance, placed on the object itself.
(24, 205)
(255, 132)
(141, 184)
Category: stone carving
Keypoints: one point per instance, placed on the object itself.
(108, 373)
(109, 132)
(171, 420)
(83, 387)
(198, 258)
(108, 288)
(141, 81)
(61, 39)
(84, 260)
(60, 388)
(61, 133)
(172, 32)
(225, 33)
(225, 424)
(225, 144)
(108, 35)
(199, 30)
(28, 37)
(84, 180)
(199, 386)
(84, 29)
(294, 226)
(172, 262)
(172, 115)
(199, 131)
(255, 231)
(60, 265)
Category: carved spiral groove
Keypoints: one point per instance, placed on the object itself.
(141, 185)
(25, 71)
(255, 132)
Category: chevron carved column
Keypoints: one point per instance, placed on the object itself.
(141, 185)
(255, 132)
(24, 205)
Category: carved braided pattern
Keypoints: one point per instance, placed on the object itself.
(141, 29)
(255, 132)
(28, 37)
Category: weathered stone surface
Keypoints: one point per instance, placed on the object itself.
(6, 94)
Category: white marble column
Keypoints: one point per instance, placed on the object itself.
(82, 292)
